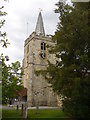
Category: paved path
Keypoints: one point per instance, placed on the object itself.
(44, 107)
(41, 107)
(7, 107)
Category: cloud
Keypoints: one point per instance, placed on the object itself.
(19, 13)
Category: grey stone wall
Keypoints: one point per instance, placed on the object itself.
(39, 92)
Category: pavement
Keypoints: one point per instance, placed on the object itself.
(40, 107)
(7, 107)
(45, 107)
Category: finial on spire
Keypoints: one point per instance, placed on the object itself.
(39, 26)
(40, 9)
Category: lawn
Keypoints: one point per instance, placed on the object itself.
(11, 114)
(46, 114)
(53, 114)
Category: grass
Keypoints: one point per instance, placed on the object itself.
(32, 114)
(46, 114)
(11, 114)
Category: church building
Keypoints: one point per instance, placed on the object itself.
(36, 55)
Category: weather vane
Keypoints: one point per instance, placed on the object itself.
(40, 9)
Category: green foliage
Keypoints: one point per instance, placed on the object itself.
(70, 76)
(11, 80)
(12, 74)
(0, 82)
(3, 40)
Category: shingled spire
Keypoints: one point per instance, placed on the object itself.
(39, 26)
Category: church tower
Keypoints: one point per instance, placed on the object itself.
(36, 54)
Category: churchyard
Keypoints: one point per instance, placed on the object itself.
(33, 114)
(55, 68)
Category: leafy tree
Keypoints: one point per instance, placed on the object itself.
(5, 75)
(0, 82)
(11, 80)
(3, 39)
(3, 43)
(11, 74)
(70, 76)
(15, 79)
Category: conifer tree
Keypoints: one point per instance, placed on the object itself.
(70, 76)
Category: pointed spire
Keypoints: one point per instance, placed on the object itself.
(39, 26)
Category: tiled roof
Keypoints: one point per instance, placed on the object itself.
(22, 93)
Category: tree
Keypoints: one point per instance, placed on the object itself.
(3, 39)
(3, 43)
(15, 78)
(0, 82)
(70, 76)
(11, 80)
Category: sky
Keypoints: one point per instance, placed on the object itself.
(21, 22)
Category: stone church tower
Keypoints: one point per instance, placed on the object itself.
(36, 54)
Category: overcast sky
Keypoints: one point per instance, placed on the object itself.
(21, 12)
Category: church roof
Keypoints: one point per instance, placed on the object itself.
(22, 92)
(39, 26)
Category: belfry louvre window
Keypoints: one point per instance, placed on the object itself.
(43, 46)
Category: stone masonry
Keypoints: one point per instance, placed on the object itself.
(36, 54)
